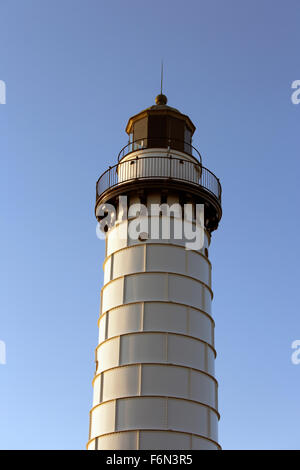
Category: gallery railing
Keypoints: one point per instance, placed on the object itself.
(159, 168)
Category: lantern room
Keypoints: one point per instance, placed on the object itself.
(161, 126)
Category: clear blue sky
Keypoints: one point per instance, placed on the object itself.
(75, 71)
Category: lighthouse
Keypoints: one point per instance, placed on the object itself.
(154, 385)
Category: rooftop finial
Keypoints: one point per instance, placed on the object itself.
(161, 99)
(161, 76)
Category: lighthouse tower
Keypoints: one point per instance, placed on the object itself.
(154, 385)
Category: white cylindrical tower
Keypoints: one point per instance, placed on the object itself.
(154, 385)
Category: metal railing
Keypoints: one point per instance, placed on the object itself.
(159, 168)
(147, 143)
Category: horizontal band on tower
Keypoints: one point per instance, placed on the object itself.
(153, 244)
(160, 272)
(156, 316)
(169, 364)
(156, 413)
(153, 258)
(155, 380)
(171, 397)
(155, 430)
(164, 380)
(156, 302)
(157, 332)
(159, 286)
(160, 348)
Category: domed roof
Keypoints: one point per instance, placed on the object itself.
(160, 107)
